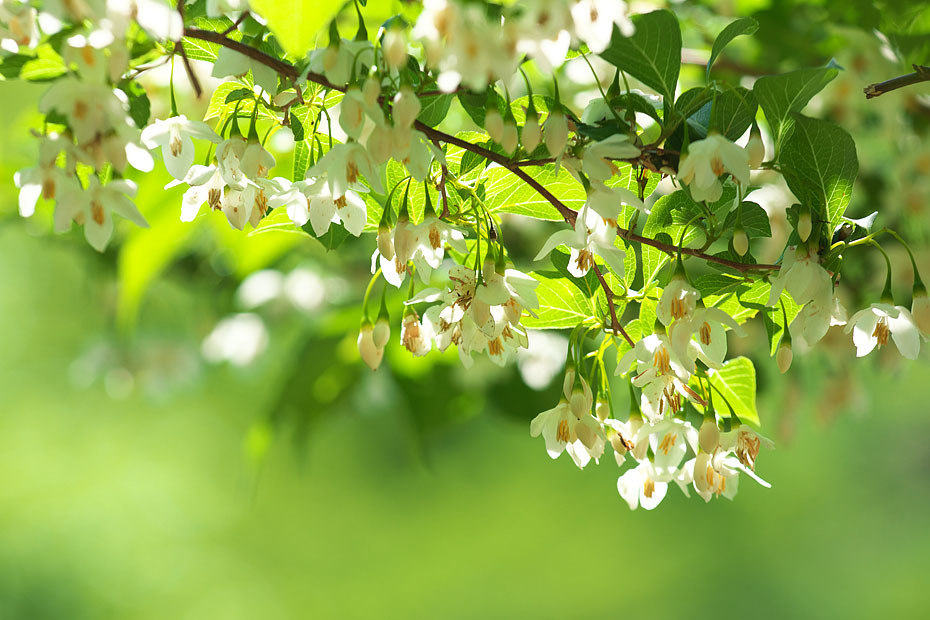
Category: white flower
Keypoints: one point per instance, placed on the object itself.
(47, 179)
(582, 437)
(641, 486)
(91, 109)
(220, 8)
(710, 346)
(157, 18)
(591, 237)
(597, 162)
(415, 336)
(174, 136)
(595, 21)
(406, 107)
(18, 26)
(669, 439)
(804, 277)
(609, 201)
(814, 319)
(531, 133)
(678, 300)
(661, 375)
(872, 327)
(341, 167)
(706, 161)
(206, 185)
(95, 207)
(352, 112)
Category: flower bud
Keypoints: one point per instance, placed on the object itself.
(709, 436)
(371, 90)
(921, 310)
(616, 440)
(704, 474)
(330, 58)
(405, 239)
(382, 332)
(385, 242)
(371, 354)
(406, 107)
(740, 241)
(783, 356)
(804, 224)
(586, 435)
(602, 409)
(509, 137)
(755, 148)
(380, 144)
(394, 46)
(531, 133)
(580, 402)
(494, 124)
(352, 112)
(556, 133)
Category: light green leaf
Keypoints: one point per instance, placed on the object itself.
(434, 109)
(754, 219)
(296, 23)
(561, 304)
(820, 165)
(653, 54)
(782, 95)
(505, 192)
(736, 383)
(663, 219)
(744, 25)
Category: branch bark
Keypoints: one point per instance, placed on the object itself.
(517, 168)
(921, 74)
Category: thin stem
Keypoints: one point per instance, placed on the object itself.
(614, 321)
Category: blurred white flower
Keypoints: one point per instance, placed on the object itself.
(238, 339)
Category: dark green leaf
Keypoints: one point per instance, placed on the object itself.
(744, 25)
(652, 55)
(782, 95)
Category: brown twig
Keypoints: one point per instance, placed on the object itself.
(614, 321)
(921, 74)
(195, 83)
(288, 70)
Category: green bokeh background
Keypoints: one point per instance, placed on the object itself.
(302, 486)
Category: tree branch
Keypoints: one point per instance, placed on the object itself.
(288, 70)
(614, 322)
(921, 74)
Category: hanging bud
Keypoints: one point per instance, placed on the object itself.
(371, 90)
(406, 107)
(921, 309)
(380, 144)
(804, 223)
(352, 112)
(602, 408)
(556, 133)
(704, 474)
(494, 124)
(784, 355)
(531, 133)
(370, 352)
(394, 47)
(755, 148)
(709, 436)
(385, 241)
(581, 399)
(740, 240)
(382, 332)
(509, 137)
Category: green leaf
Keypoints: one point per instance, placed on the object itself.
(744, 25)
(782, 95)
(12, 65)
(561, 304)
(139, 105)
(774, 320)
(332, 238)
(434, 109)
(647, 313)
(295, 23)
(736, 383)
(239, 93)
(663, 220)
(820, 165)
(652, 55)
(505, 192)
(754, 219)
